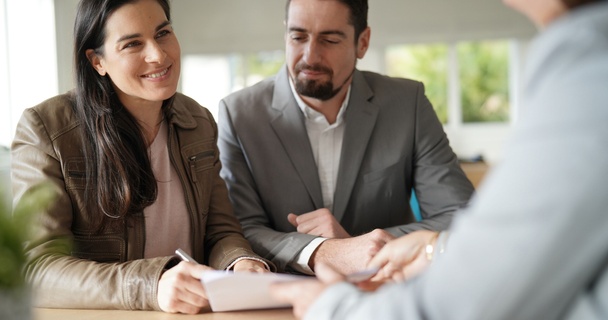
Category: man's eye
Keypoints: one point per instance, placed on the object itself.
(297, 38)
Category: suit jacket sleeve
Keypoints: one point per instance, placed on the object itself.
(224, 240)
(279, 247)
(441, 186)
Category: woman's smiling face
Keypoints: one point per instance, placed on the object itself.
(141, 54)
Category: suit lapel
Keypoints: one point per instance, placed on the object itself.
(289, 126)
(360, 120)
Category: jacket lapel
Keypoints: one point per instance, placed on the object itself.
(360, 120)
(289, 126)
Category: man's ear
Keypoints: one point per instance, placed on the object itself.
(96, 62)
(363, 42)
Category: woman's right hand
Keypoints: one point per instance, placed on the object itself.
(404, 257)
(180, 289)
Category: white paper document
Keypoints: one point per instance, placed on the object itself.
(229, 290)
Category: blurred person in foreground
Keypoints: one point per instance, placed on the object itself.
(533, 243)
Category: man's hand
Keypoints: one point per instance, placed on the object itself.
(403, 258)
(319, 223)
(250, 265)
(302, 294)
(351, 254)
(180, 289)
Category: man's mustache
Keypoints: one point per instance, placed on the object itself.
(316, 68)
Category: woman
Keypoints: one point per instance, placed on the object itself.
(137, 171)
(532, 244)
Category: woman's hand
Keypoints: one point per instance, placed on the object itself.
(180, 289)
(250, 265)
(404, 257)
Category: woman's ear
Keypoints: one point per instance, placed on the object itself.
(96, 62)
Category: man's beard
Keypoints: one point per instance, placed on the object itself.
(316, 89)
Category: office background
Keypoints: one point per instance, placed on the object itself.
(230, 44)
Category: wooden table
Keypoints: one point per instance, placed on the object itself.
(75, 314)
(475, 171)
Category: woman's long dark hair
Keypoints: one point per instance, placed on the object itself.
(118, 171)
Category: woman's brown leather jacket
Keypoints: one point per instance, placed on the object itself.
(70, 265)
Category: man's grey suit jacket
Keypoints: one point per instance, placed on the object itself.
(393, 142)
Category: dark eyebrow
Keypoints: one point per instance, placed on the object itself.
(296, 29)
(325, 33)
(335, 33)
(136, 35)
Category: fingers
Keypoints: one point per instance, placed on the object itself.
(380, 259)
(370, 285)
(288, 292)
(300, 294)
(304, 224)
(292, 218)
(320, 223)
(404, 257)
(381, 236)
(180, 289)
(250, 265)
(327, 274)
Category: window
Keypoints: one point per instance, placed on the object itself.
(4, 83)
(482, 84)
(28, 59)
(258, 66)
(209, 78)
(425, 63)
(484, 81)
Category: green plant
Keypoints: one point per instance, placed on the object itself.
(15, 231)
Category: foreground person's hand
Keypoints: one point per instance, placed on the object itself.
(404, 257)
(302, 294)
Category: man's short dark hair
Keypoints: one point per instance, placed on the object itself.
(358, 14)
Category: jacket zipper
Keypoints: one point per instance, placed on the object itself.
(195, 158)
(194, 230)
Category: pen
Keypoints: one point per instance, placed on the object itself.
(184, 256)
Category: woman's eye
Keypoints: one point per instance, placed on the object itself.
(162, 33)
(131, 44)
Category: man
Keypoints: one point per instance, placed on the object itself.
(533, 243)
(324, 151)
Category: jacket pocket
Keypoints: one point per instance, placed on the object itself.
(100, 248)
(75, 174)
(201, 163)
